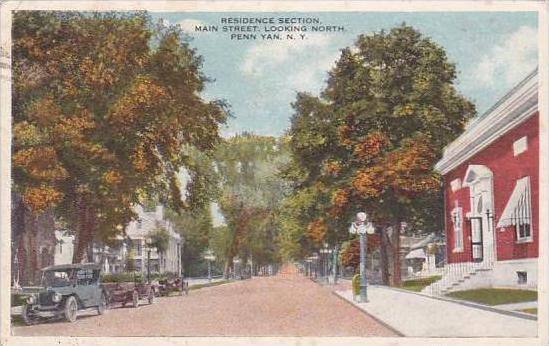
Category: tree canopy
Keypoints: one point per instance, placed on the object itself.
(105, 109)
(370, 140)
(251, 190)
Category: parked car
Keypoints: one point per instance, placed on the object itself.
(165, 286)
(65, 289)
(129, 293)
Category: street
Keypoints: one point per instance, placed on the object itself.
(284, 305)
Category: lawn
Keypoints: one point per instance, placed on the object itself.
(417, 285)
(209, 284)
(533, 311)
(495, 296)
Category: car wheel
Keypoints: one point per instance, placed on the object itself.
(26, 315)
(135, 299)
(102, 306)
(151, 297)
(71, 309)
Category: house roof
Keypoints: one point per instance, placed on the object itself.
(519, 104)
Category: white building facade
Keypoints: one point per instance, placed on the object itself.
(133, 247)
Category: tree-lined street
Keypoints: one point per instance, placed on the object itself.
(287, 304)
(129, 184)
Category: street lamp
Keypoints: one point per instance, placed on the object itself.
(362, 226)
(209, 257)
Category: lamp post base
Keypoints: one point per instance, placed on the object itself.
(363, 294)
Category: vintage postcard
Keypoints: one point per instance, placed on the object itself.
(274, 172)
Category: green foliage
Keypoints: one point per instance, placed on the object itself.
(251, 190)
(122, 277)
(292, 238)
(18, 299)
(417, 285)
(495, 296)
(106, 109)
(370, 141)
(136, 277)
(130, 260)
(209, 284)
(160, 240)
(356, 284)
(195, 226)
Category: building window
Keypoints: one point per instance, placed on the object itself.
(457, 221)
(518, 211)
(520, 146)
(455, 184)
(522, 278)
(524, 231)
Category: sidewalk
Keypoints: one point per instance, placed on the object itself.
(518, 306)
(421, 316)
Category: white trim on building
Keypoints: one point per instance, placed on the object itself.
(514, 108)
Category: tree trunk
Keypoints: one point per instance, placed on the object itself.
(33, 251)
(85, 224)
(395, 242)
(384, 256)
(228, 266)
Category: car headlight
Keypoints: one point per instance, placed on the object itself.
(56, 298)
(31, 300)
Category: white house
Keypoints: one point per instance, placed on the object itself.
(114, 259)
(138, 232)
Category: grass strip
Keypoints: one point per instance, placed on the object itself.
(209, 284)
(417, 285)
(533, 311)
(495, 296)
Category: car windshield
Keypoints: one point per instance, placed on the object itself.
(56, 278)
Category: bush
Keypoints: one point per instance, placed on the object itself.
(121, 277)
(136, 277)
(18, 299)
(356, 284)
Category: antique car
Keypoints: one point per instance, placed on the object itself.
(129, 293)
(166, 286)
(64, 290)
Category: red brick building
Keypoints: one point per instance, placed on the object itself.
(491, 190)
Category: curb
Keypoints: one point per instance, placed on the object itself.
(470, 304)
(391, 328)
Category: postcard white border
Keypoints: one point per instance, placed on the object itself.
(275, 6)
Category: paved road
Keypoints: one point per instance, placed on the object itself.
(284, 305)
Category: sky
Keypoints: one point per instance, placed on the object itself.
(260, 78)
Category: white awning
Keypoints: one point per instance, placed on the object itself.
(417, 253)
(518, 206)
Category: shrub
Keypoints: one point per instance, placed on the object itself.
(18, 299)
(122, 277)
(356, 284)
(136, 277)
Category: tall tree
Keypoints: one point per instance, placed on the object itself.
(250, 194)
(393, 106)
(105, 107)
(196, 229)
